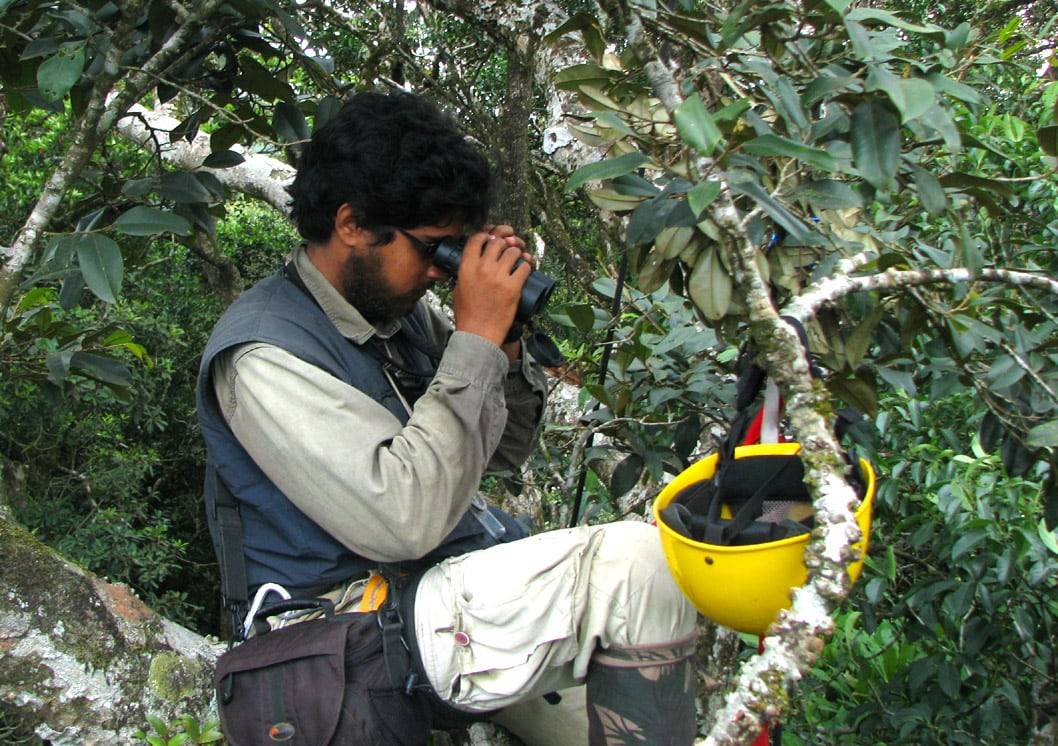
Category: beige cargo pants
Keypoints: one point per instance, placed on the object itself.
(508, 624)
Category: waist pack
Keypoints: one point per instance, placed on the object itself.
(315, 683)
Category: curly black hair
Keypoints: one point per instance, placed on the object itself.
(398, 161)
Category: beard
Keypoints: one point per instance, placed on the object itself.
(367, 290)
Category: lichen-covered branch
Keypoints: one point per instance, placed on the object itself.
(831, 289)
(85, 661)
(259, 176)
(764, 682)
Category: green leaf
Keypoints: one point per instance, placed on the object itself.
(747, 185)
(891, 19)
(955, 89)
(912, 97)
(101, 264)
(828, 194)
(150, 221)
(182, 187)
(900, 379)
(607, 169)
(289, 123)
(710, 286)
(58, 365)
(1048, 537)
(831, 80)
(626, 474)
(104, 369)
(158, 725)
(223, 159)
(1043, 436)
(876, 143)
(573, 77)
(582, 315)
(696, 125)
(860, 340)
(930, 192)
(326, 110)
(702, 196)
(225, 137)
(58, 74)
(257, 79)
(966, 542)
(948, 678)
(773, 145)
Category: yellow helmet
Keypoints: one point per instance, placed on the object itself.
(742, 573)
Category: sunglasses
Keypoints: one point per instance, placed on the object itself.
(427, 249)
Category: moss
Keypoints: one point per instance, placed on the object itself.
(173, 677)
(52, 592)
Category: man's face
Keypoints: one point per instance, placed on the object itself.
(385, 281)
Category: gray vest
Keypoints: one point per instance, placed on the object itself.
(280, 543)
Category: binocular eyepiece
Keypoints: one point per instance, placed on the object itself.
(535, 292)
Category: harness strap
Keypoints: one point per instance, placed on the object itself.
(395, 652)
(229, 550)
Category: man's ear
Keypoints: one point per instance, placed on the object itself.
(346, 227)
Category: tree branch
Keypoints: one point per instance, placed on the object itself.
(830, 289)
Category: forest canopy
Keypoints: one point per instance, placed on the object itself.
(691, 171)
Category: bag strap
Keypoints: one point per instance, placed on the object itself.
(229, 551)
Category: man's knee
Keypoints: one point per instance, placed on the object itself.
(631, 567)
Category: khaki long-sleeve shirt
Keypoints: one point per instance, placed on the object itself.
(386, 491)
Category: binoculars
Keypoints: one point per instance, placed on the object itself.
(535, 292)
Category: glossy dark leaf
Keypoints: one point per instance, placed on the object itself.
(1017, 460)
(876, 143)
(773, 145)
(104, 369)
(991, 431)
(696, 125)
(948, 678)
(326, 110)
(793, 225)
(930, 192)
(101, 264)
(223, 159)
(58, 74)
(289, 123)
(183, 188)
(626, 474)
(262, 82)
(150, 221)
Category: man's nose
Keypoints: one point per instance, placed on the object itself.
(436, 274)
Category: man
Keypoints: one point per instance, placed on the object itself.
(352, 425)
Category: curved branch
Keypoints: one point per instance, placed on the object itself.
(259, 176)
(797, 637)
(831, 289)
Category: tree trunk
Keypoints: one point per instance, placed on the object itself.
(85, 661)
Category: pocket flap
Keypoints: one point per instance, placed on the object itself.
(304, 640)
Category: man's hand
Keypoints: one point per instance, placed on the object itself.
(489, 286)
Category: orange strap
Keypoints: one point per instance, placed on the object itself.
(375, 593)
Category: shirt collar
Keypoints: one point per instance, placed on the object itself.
(349, 322)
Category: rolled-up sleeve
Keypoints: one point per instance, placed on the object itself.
(386, 491)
